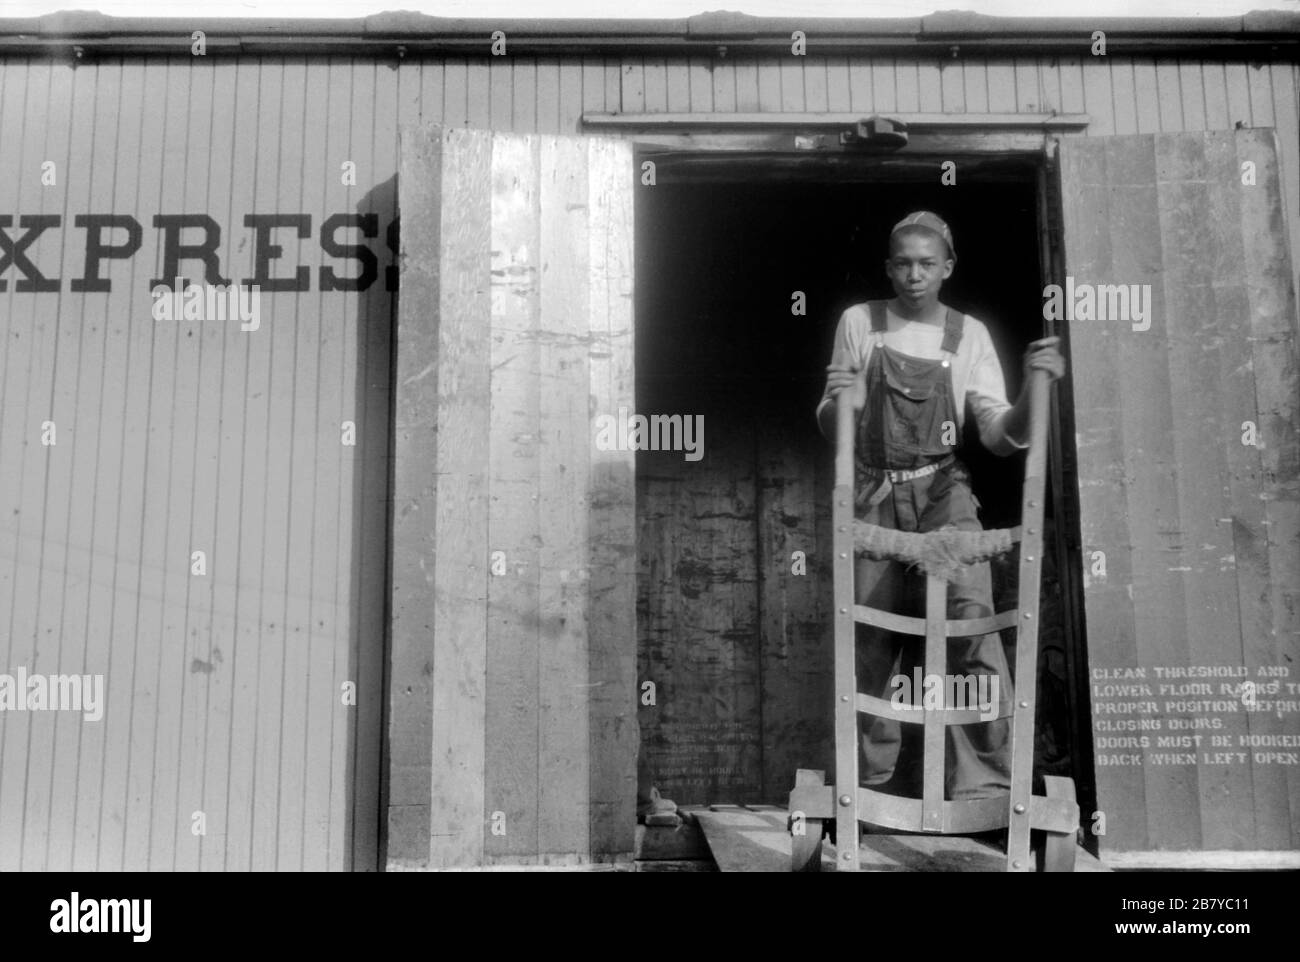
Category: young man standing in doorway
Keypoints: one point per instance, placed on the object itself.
(924, 363)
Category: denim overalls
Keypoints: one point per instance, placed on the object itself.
(902, 426)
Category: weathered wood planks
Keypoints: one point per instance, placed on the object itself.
(524, 287)
(1199, 527)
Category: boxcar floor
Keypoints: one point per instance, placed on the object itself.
(755, 839)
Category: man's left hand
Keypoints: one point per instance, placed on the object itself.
(1042, 355)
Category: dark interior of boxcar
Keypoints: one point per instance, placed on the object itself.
(735, 639)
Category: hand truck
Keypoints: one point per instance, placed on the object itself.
(813, 803)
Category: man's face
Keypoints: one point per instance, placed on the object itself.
(917, 266)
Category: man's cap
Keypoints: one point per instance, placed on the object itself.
(924, 218)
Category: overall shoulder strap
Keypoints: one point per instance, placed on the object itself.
(877, 309)
(952, 329)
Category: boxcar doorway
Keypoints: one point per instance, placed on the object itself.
(741, 276)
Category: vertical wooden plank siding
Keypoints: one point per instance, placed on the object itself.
(1203, 547)
(18, 75)
(907, 83)
(1001, 78)
(790, 74)
(461, 469)
(1190, 97)
(655, 90)
(769, 85)
(224, 690)
(611, 551)
(1171, 99)
(699, 77)
(455, 94)
(1146, 87)
(1098, 97)
(1240, 527)
(523, 243)
(1101, 395)
(633, 86)
(700, 580)
(953, 87)
(814, 83)
(1153, 507)
(97, 193)
(277, 644)
(1029, 93)
(930, 82)
(369, 506)
(56, 400)
(838, 86)
(320, 420)
(254, 349)
(562, 497)
(222, 678)
(1051, 74)
(1200, 421)
(794, 610)
(414, 520)
(1286, 119)
(975, 84)
(1067, 80)
(859, 84)
(129, 777)
(1275, 362)
(568, 97)
(515, 506)
(177, 786)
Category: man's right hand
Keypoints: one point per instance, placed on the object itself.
(839, 377)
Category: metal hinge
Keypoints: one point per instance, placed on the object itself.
(876, 131)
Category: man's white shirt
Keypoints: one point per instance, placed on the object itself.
(976, 371)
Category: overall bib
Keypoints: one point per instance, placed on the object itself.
(902, 427)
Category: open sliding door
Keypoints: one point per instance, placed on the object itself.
(513, 694)
(1186, 405)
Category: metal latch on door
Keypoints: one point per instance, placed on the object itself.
(876, 131)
